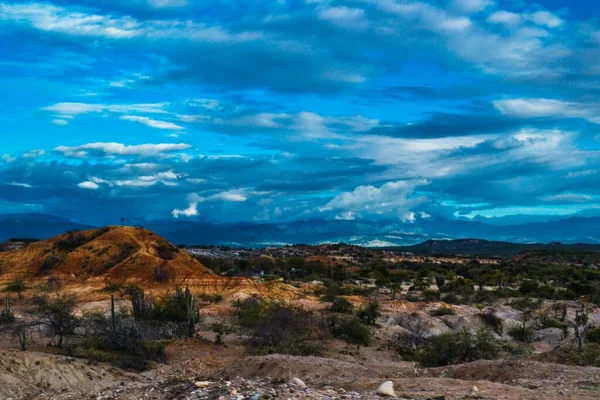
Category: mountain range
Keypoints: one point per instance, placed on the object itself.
(365, 233)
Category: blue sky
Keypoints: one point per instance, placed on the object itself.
(268, 111)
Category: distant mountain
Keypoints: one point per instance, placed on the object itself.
(35, 226)
(478, 247)
(364, 233)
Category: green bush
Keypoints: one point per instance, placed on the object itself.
(593, 335)
(16, 286)
(351, 329)
(457, 348)
(210, 297)
(589, 356)
(369, 313)
(431, 294)
(342, 306)
(280, 328)
(525, 304)
(451, 298)
(442, 311)
(522, 333)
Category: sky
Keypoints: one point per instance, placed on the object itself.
(278, 111)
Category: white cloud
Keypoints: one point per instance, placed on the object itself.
(567, 198)
(472, 6)
(34, 153)
(352, 18)
(88, 185)
(50, 18)
(20, 184)
(72, 109)
(392, 198)
(167, 3)
(547, 19)
(535, 108)
(191, 211)
(7, 158)
(307, 124)
(152, 122)
(119, 149)
(230, 196)
(60, 122)
(168, 178)
(506, 18)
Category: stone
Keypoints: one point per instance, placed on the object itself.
(298, 383)
(386, 389)
(202, 384)
(474, 393)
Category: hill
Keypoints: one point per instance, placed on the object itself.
(479, 247)
(116, 254)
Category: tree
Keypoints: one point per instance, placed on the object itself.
(369, 313)
(342, 306)
(58, 315)
(17, 287)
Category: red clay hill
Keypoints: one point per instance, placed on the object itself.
(116, 254)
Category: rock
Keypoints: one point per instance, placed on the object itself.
(474, 393)
(298, 383)
(386, 389)
(202, 384)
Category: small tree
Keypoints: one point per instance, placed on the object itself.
(17, 287)
(58, 315)
(369, 313)
(342, 306)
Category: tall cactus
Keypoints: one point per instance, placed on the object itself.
(112, 313)
(191, 311)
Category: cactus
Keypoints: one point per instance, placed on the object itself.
(112, 312)
(23, 339)
(134, 331)
(193, 314)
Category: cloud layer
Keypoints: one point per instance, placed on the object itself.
(281, 111)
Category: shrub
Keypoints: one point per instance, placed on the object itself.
(451, 298)
(210, 298)
(525, 304)
(522, 351)
(167, 251)
(72, 241)
(280, 328)
(58, 315)
(457, 348)
(49, 263)
(17, 287)
(522, 333)
(220, 329)
(331, 292)
(342, 306)
(369, 313)
(442, 311)
(588, 356)
(351, 329)
(460, 286)
(431, 294)
(593, 335)
(112, 287)
(164, 273)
